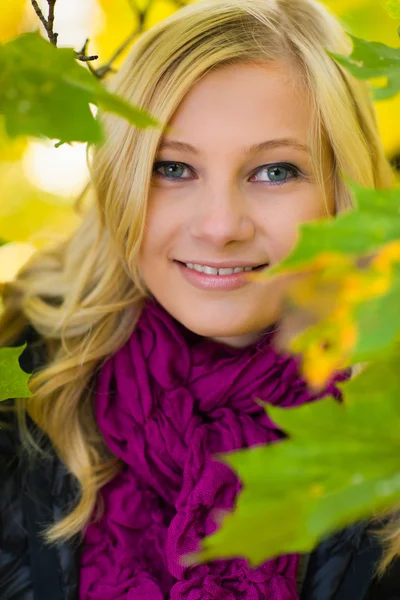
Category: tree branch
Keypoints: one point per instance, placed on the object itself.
(81, 55)
(102, 71)
(49, 23)
(39, 13)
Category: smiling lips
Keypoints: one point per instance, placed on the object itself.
(209, 277)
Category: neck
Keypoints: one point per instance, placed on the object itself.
(247, 339)
(239, 341)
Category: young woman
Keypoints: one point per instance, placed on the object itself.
(148, 343)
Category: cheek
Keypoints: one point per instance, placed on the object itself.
(161, 227)
(281, 222)
(150, 242)
(156, 224)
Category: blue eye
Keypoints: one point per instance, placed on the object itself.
(277, 173)
(173, 170)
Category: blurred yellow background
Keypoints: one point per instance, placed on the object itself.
(39, 183)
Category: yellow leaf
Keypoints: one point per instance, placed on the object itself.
(325, 299)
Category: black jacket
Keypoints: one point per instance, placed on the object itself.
(31, 496)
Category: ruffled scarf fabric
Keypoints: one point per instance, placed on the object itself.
(166, 402)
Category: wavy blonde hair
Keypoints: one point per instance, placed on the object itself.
(84, 296)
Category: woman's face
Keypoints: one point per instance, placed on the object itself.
(232, 182)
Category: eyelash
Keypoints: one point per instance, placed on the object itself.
(295, 171)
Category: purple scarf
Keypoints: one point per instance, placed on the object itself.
(165, 403)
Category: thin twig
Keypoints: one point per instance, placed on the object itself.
(91, 69)
(39, 13)
(84, 47)
(50, 21)
(81, 55)
(84, 58)
(102, 71)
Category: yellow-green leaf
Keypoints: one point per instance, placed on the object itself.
(392, 7)
(45, 92)
(339, 465)
(372, 60)
(13, 380)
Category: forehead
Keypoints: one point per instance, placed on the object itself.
(244, 100)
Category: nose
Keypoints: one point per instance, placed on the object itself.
(222, 216)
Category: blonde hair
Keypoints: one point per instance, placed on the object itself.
(85, 295)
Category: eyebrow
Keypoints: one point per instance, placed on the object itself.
(254, 149)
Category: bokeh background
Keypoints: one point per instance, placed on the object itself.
(39, 184)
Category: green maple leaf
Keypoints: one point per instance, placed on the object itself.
(45, 92)
(378, 323)
(374, 222)
(13, 380)
(340, 464)
(370, 60)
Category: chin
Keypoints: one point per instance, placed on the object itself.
(239, 334)
(245, 321)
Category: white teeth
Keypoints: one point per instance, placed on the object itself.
(214, 271)
(210, 271)
(225, 271)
